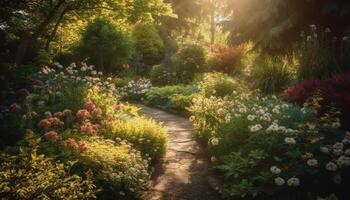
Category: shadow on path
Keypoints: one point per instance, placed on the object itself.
(185, 173)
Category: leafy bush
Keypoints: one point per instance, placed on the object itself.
(226, 59)
(104, 46)
(266, 147)
(217, 84)
(192, 58)
(181, 102)
(270, 75)
(144, 134)
(161, 96)
(322, 55)
(332, 93)
(33, 176)
(149, 44)
(118, 169)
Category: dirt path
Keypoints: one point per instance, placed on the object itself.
(185, 172)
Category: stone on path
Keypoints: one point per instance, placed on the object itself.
(185, 172)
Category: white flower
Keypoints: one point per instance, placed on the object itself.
(83, 69)
(93, 72)
(336, 124)
(312, 162)
(99, 73)
(343, 161)
(347, 152)
(214, 141)
(255, 128)
(289, 140)
(243, 110)
(251, 117)
(222, 112)
(192, 118)
(346, 141)
(331, 166)
(279, 181)
(293, 182)
(275, 170)
(338, 146)
(324, 149)
(213, 159)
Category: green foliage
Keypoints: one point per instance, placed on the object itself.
(181, 102)
(217, 84)
(104, 46)
(192, 59)
(321, 56)
(149, 137)
(33, 176)
(270, 75)
(148, 43)
(161, 96)
(118, 169)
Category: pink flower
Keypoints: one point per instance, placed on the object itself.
(52, 135)
(71, 143)
(83, 114)
(89, 128)
(15, 107)
(48, 114)
(82, 146)
(58, 114)
(119, 107)
(55, 121)
(97, 112)
(89, 106)
(44, 123)
(67, 112)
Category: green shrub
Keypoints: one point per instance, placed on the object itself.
(270, 75)
(192, 59)
(146, 135)
(160, 75)
(161, 96)
(148, 44)
(33, 176)
(217, 84)
(119, 170)
(105, 47)
(181, 102)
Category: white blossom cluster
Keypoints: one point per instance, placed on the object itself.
(135, 88)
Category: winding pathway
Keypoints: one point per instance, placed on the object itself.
(185, 173)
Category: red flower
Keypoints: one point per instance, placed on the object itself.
(83, 114)
(58, 114)
(97, 112)
(89, 128)
(67, 112)
(52, 135)
(48, 114)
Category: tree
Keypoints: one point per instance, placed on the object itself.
(104, 46)
(276, 24)
(30, 20)
(149, 44)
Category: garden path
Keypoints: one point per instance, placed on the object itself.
(185, 172)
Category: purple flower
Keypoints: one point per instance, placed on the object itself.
(24, 92)
(39, 83)
(15, 107)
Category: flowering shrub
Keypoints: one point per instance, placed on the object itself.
(117, 168)
(146, 135)
(135, 90)
(33, 176)
(264, 146)
(226, 59)
(331, 92)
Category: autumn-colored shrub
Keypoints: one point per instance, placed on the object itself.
(226, 59)
(333, 92)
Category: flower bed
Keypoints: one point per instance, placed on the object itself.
(264, 146)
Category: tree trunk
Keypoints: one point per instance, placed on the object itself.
(54, 31)
(28, 40)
